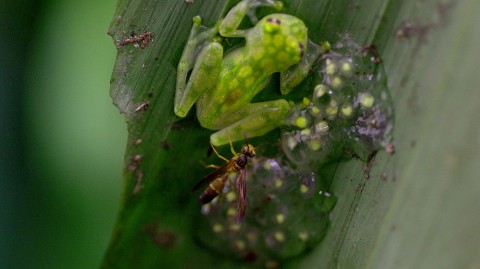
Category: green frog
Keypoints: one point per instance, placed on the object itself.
(223, 85)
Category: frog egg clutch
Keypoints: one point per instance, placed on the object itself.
(350, 111)
(288, 214)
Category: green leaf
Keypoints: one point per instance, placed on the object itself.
(417, 209)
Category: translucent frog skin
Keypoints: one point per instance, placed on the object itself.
(222, 86)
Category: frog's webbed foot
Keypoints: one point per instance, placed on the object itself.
(197, 38)
(203, 53)
(229, 25)
(253, 120)
(298, 72)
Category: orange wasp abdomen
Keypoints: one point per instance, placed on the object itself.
(213, 190)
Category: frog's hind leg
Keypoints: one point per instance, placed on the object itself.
(253, 120)
(206, 67)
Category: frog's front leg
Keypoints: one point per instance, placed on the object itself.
(229, 25)
(206, 67)
(251, 121)
(298, 72)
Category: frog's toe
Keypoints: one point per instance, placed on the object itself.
(197, 20)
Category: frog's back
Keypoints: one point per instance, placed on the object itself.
(275, 43)
(239, 81)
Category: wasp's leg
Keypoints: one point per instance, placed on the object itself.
(218, 155)
(231, 145)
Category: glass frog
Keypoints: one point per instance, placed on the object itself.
(222, 86)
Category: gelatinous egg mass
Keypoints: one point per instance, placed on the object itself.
(349, 112)
(287, 213)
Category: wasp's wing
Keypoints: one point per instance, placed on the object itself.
(242, 195)
(212, 176)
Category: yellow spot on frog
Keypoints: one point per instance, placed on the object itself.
(268, 64)
(266, 39)
(259, 54)
(278, 40)
(271, 27)
(292, 44)
(245, 71)
(233, 84)
(271, 50)
(282, 57)
(249, 82)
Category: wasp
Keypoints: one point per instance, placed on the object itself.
(215, 181)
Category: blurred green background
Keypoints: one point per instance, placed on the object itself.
(62, 140)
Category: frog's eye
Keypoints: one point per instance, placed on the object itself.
(273, 25)
(302, 49)
(274, 20)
